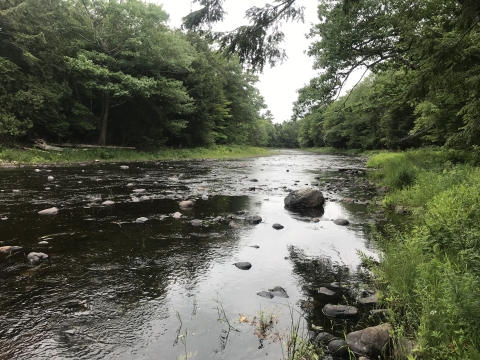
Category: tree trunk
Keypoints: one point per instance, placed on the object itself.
(104, 118)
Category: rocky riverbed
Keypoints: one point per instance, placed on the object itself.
(115, 260)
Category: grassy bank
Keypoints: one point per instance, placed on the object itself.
(36, 156)
(430, 275)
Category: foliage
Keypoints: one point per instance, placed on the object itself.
(112, 71)
(430, 275)
(423, 59)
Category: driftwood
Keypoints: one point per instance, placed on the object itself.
(42, 144)
(88, 146)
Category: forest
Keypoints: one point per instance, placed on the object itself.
(113, 72)
(418, 64)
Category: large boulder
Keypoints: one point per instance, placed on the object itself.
(305, 198)
(372, 341)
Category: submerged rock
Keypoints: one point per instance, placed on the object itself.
(279, 291)
(340, 311)
(50, 211)
(253, 219)
(35, 258)
(243, 265)
(342, 222)
(265, 294)
(325, 291)
(305, 198)
(196, 222)
(372, 341)
(277, 226)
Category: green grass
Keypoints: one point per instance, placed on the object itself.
(430, 275)
(36, 156)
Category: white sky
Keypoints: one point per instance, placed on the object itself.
(277, 85)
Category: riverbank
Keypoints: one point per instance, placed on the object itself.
(14, 156)
(333, 151)
(430, 274)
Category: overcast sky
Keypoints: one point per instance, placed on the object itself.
(278, 85)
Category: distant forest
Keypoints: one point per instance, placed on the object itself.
(113, 72)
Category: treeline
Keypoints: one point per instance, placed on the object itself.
(112, 71)
(422, 65)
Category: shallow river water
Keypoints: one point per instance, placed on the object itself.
(117, 288)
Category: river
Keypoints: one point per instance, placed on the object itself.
(115, 287)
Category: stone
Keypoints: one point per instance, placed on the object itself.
(135, 199)
(243, 265)
(177, 215)
(137, 191)
(144, 198)
(9, 249)
(265, 294)
(204, 197)
(338, 347)
(279, 291)
(373, 299)
(342, 222)
(130, 184)
(324, 338)
(253, 180)
(340, 311)
(124, 167)
(219, 219)
(255, 246)
(108, 203)
(37, 170)
(379, 312)
(70, 332)
(49, 211)
(372, 341)
(50, 178)
(325, 291)
(43, 243)
(35, 258)
(196, 222)
(315, 220)
(253, 219)
(141, 220)
(233, 225)
(186, 204)
(277, 226)
(305, 198)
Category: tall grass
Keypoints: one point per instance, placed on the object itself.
(36, 156)
(430, 275)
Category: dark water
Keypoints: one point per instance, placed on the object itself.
(115, 288)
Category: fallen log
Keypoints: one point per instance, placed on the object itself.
(44, 146)
(89, 146)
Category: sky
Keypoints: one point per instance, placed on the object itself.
(277, 85)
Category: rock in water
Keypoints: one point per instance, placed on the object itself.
(50, 211)
(325, 291)
(372, 341)
(340, 311)
(124, 167)
(108, 203)
(253, 219)
(141, 220)
(265, 294)
(196, 222)
(279, 291)
(324, 338)
(35, 258)
(338, 347)
(277, 226)
(305, 198)
(342, 222)
(186, 204)
(9, 249)
(243, 265)
(233, 225)
(50, 178)
(204, 197)
(177, 215)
